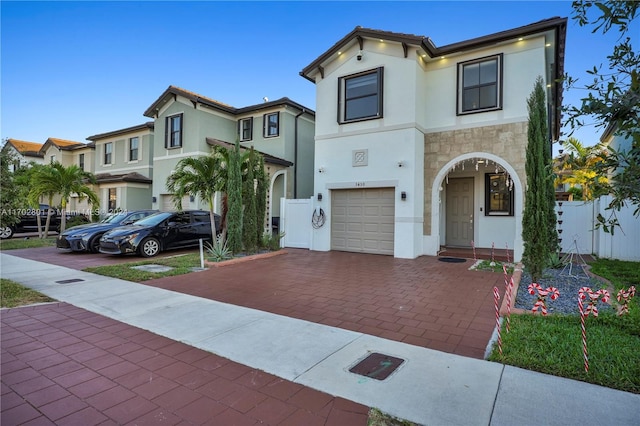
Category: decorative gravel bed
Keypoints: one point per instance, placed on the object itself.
(567, 283)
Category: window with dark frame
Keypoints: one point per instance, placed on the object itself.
(480, 85)
(173, 131)
(246, 129)
(112, 200)
(133, 148)
(271, 125)
(498, 196)
(81, 161)
(108, 149)
(360, 96)
(52, 159)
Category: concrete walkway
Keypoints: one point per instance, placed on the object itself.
(429, 387)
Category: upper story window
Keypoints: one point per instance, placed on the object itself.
(498, 195)
(173, 131)
(360, 96)
(108, 150)
(133, 148)
(81, 161)
(271, 125)
(246, 129)
(480, 85)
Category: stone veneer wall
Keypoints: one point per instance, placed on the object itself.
(507, 141)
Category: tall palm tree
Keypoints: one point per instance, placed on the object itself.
(65, 181)
(197, 176)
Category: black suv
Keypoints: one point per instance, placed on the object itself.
(29, 221)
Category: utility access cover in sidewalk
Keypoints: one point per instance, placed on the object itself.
(377, 366)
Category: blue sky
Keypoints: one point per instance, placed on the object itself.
(75, 69)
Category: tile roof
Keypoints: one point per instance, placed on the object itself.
(268, 158)
(25, 147)
(125, 177)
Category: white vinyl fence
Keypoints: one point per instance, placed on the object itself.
(580, 236)
(295, 222)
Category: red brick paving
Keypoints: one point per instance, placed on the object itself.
(423, 301)
(97, 371)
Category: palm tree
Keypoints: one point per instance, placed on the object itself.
(41, 183)
(65, 181)
(197, 176)
(578, 168)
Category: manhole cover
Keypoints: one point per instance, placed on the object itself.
(153, 268)
(72, 280)
(452, 259)
(377, 366)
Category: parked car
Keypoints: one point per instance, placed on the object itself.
(159, 232)
(87, 237)
(29, 221)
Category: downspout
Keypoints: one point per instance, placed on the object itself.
(295, 155)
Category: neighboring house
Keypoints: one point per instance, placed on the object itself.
(188, 123)
(123, 167)
(23, 152)
(419, 147)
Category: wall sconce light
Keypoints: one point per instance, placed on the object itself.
(319, 196)
(403, 196)
(321, 170)
(154, 200)
(400, 163)
(192, 198)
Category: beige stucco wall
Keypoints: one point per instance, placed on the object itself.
(507, 141)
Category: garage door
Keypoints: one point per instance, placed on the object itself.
(167, 204)
(362, 220)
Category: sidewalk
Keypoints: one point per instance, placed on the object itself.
(429, 387)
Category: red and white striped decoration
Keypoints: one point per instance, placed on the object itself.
(623, 298)
(508, 257)
(541, 303)
(508, 291)
(591, 308)
(496, 297)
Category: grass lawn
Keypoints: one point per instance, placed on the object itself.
(28, 242)
(181, 264)
(13, 294)
(553, 344)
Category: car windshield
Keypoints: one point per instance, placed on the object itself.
(154, 219)
(113, 218)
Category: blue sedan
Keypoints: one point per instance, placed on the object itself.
(87, 237)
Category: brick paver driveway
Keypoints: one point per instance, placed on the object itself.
(423, 301)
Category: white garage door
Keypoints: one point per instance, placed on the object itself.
(168, 205)
(362, 220)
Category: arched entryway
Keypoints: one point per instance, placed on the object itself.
(477, 201)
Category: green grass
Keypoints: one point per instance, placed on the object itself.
(182, 264)
(13, 294)
(486, 265)
(30, 242)
(553, 344)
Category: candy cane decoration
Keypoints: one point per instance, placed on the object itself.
(584, 312)
(541, 303)
(623, 297)
(475, 259)
(507, 247)
(496, 297)
(508, 290)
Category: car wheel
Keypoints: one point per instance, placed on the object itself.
(149, 247)
(6, 232)
(94, 244)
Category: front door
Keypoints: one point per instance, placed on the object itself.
(459, 212)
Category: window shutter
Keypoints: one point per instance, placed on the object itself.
(166, 132)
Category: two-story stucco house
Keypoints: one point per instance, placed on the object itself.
(23, 152)
(188, 124)
(419, 146)
(123, 167)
